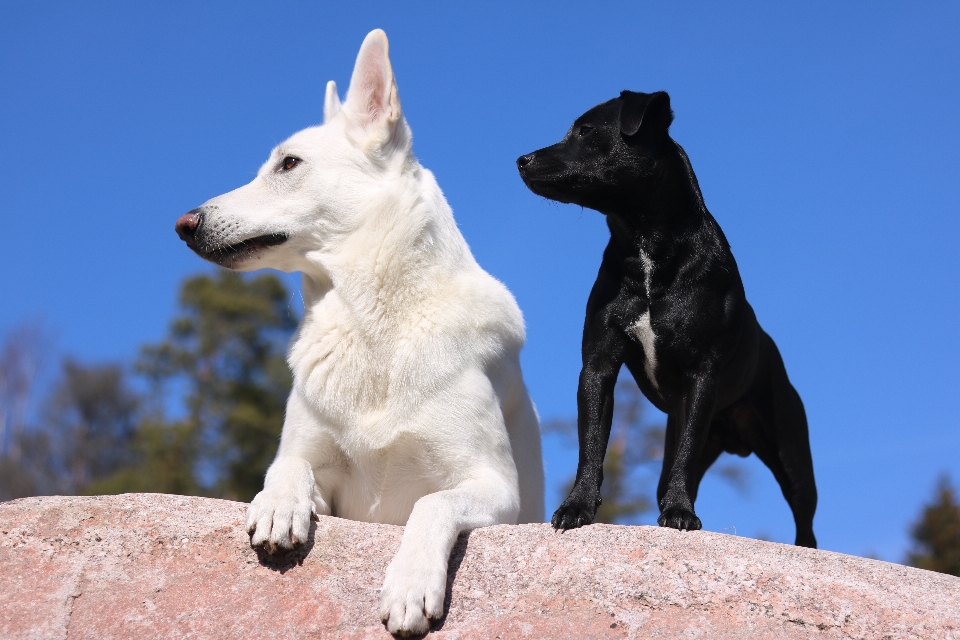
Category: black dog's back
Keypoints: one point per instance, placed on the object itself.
(669, 304)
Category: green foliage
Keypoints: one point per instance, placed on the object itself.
(225, 354)
(84, 435)
(165, 453)
(622, 502)
(29, 472)
(936, 535)
(21, 355)
(90, 419)
(222, 371)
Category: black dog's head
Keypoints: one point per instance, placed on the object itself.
(609, 152)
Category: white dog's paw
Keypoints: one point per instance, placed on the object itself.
(412, 596)
(279, 520)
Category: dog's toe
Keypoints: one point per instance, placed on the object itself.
(412, 595)
(679, 518)
(415, 623)
(406, 617)
(573, 514)
(278, 523)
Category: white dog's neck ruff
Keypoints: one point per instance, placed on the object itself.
(405, 235)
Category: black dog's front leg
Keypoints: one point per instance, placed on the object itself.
(687, 434)
(594, 415)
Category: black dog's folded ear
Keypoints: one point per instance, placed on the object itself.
(649, 112)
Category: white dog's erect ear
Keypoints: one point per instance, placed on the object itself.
(372, 97)
(331, 103)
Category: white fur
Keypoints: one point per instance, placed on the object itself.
(408, 405)
(643, 331)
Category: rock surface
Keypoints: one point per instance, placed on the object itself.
(157, 566)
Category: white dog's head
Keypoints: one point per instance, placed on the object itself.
(312, 189)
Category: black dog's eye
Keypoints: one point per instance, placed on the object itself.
(290, 162)
(585, 129)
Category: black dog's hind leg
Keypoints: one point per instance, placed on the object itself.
(684, 447)
(780, 438)
(800, 490)
(793, 450)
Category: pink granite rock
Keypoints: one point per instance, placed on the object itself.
(157, 566)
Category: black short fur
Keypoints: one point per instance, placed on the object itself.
(669, 304)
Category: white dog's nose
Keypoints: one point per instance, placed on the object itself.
(187, 225)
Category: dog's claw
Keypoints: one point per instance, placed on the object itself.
(573, 514)
(679, 518)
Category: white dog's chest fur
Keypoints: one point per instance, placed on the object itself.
(370, 392)
(380, 485)
(377, 464)
(356, 374)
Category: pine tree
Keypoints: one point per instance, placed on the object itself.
(90, 420)
(83, 434)
(936, 534)
(225, 355)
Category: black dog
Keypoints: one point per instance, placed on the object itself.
(668, 302)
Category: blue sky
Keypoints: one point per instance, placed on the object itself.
(826, 139)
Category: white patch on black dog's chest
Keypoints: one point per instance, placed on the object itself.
(642, 330)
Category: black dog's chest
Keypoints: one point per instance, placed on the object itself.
(639, 325)
(669, 322)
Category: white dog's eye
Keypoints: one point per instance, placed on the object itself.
(290, 162)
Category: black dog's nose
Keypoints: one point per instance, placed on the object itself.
(187, 224)
(523, 161)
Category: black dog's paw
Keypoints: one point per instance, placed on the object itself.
(574, 513)
(679, 518)
(806, 539)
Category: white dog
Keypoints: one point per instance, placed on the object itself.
(408, 404)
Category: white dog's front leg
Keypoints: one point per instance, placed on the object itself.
(416, 580)
(279, 516)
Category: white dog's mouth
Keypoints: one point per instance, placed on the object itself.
(227, 255)
(191, 229)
